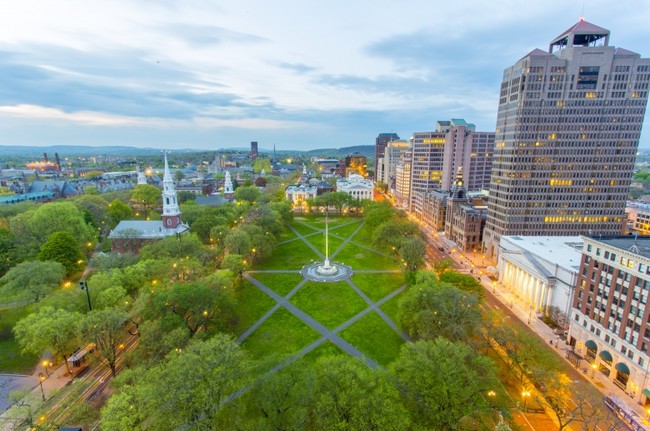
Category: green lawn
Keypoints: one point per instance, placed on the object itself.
(252, 304)
(345, 230)
(304, 228)
(293, 255)
(330, 303)
(377, 286)
(391, 308)
(325, 349)
(318, 221)
(12, 361)
(319, 242)
(362, 258)
(281, 284)
(285, 235)
(281, 335)
(375, 338)
(363, 236)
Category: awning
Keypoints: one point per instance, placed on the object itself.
(622, 368)
(79, 354)
(591, 345)
(606, 356)
(646, 392)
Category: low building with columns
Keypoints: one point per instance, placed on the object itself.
(540, 270)
(356, 186)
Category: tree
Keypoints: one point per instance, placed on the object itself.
(262, 164)
(247, 194)
(105, 328)
(34, 278)
(378, 213)
(187, 391)
(179, 175)
(199, 306)
(118, 211)
(443, 381)
(349, 395)
(557, 397)
(428, 312)
(146, 197)
(63, 248)
(389, 235)
(441, 266)
(49, 329)
(412, 253)
(464, 282)
(238, 242)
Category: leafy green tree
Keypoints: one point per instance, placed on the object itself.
(262, 164)
(441, 266)
(443, 382)
(7, 250)
(51, 330)
(203, 224)
(179, 175)
(4, 191)
(187, 391)
(412, 252)
(378, 213)
(464, 282)
(32, 229)
(390, 235)
(238, 242)
(63, 248)
(428, 312)
(158, 338)
(105, 328)
(200, 307)
(96, 206)
(187, 246)
(118, 211)
(35, 279)
(146, 197)
(234, 263)
(348, 395)
(247, 194)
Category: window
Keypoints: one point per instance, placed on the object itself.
(589, 247)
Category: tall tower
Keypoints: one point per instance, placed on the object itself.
(567, 131)
(171, 216)
(380, 146)
(228, 191)
(254, 150)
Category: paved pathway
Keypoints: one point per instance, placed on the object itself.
(309, 244)
(327, 334)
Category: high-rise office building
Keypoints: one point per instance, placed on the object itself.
(394, 151)
(568, 128)
(437, 156)
(380, 145)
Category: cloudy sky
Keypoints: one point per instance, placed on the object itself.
(297, 74)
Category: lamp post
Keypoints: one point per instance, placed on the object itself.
(525, 394)
(46, 364)
(594, 367)
(83, 285)
(41, 379)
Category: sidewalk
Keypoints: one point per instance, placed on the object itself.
(54, 379)
(601, 382)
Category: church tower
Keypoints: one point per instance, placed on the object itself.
(171, 216)
(228, 191)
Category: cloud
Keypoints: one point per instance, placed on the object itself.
(295, 67)
(196, 34)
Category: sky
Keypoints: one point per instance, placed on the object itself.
(295, 74)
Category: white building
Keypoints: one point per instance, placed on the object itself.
(541, 270)
(356, 186)
(298, 194)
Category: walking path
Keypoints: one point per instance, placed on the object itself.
(327, 334)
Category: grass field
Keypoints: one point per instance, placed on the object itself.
(12, 361)
(377, 286)
(281, 284)
(252, 304)
(330, 303)
(375, 338)
(292, 255)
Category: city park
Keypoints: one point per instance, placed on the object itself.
(260, 319)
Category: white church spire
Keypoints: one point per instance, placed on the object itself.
(171, 215)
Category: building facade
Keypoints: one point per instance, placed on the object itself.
(356, 164)
(356, 186)
(437, 156)
(381, 142)
(567, 132)
(609, 318)
(393, 153)
(542, 271)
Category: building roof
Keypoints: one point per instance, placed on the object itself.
(582, 27)
(562, 251)
(145, 229)
(635, 244)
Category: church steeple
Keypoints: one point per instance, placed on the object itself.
(228, 191)
(171, 216)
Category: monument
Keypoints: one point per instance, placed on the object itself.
(326, 271)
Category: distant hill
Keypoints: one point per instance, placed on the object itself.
(87, 150)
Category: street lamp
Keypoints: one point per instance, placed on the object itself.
(41, 379)
(525, 394)
(84, 286)
(594, 367)
(46, 363)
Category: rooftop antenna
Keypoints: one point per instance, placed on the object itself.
(582, 13)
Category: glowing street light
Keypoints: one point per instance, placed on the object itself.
(41, 379)
(525, 394)
(594, 367)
